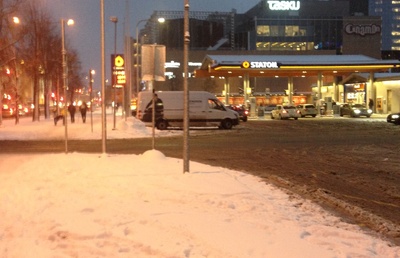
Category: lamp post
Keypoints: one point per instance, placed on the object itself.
(114, 19)
(160, 20)
(137, 57)
(65, 76)
(186, 39)
(91, 73)
(103, 81)
(16, 21)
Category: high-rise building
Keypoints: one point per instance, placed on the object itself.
(389, 10)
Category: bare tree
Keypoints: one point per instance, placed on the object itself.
(43, 56)
(9, 35)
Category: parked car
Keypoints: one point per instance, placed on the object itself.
(394, 118)
(9, 110)
(242, 111)
(285, 112)
(269, 108)
(354, 110)
(307, 110)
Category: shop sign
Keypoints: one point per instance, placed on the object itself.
(258, 65)
(362, 30)
(118, 70)
(284, 5)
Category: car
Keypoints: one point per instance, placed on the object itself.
(242, 111)
(285, 112)
(7, 111)
(355, 110)
(393, 118)
(307, 110)
(269, 108)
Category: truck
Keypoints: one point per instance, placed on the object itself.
(205, 110)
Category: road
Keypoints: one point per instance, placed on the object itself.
(349, 166)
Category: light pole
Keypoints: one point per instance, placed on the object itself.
(114, 19)
(137, 57)
(103, 81)
(65, 77)
(91, 73)
(186, 39)
(160, 20)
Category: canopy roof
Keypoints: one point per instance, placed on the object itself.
(291, 65)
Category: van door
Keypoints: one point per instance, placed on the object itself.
(197, 112)
(215, 113)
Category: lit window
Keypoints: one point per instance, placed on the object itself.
(263, 30)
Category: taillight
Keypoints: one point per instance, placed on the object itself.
(246, 112)
(284, 111)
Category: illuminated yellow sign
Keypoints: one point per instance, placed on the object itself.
(118, 67)
(260, 65)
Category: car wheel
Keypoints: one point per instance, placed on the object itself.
(272, 116)
(162, 124)
(226, 124)
(296, 118)
(280, 117)
(313, 115)
(244, 119)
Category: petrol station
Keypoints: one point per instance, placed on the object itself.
(292, 66)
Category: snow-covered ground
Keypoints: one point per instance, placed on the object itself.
(100, 205)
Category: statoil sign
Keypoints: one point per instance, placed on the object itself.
(284, 5)
(260, 65)
(118, 70)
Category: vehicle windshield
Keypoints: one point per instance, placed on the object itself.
(358, 106)
(289, 107)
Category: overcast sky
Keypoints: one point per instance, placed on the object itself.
(85, 34)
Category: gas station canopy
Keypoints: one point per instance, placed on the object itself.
(291, 65)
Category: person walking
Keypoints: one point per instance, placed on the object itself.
(60, 116)
(371, 104)
(71, 110)
(83, 109)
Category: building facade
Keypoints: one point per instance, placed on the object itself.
(339, 27)
(389, 11)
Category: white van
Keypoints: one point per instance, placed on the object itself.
(204, 110)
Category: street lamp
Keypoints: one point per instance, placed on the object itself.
(65, 76)
(91, 73)
(114, 19)
(160, 20)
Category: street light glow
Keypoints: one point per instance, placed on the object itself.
(70, 22)
(16, 20)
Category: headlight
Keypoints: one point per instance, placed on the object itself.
(356, 111)
(369, 111)
(395, 116)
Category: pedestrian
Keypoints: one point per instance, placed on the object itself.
(371, 104)
(159, 105)
(60, 116)
(71, 110)
(83, 109)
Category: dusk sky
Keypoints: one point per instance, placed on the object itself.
(84, 36)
